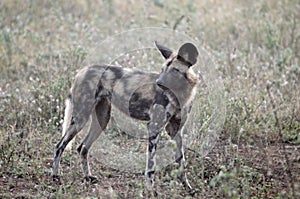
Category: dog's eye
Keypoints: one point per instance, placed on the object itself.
(176, 69)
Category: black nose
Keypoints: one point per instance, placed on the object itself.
(160, 84)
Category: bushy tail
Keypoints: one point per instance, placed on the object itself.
(67, 121)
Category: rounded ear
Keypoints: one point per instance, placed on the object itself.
(166, 52)
(188, 53)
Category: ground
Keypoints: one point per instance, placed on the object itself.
(229, 170)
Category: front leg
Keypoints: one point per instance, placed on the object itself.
(175, 129)
(158, 119)
(180, 160)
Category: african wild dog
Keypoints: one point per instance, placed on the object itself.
(164, 101)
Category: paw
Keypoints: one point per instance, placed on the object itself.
(188, 187)
(56, 179)
(149, 184)
(192, 192)
(184, 181)
(91, 179)
(150, 191)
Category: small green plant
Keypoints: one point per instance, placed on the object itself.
(236, 182)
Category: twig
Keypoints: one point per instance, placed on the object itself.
(178, 22)
(278, 125)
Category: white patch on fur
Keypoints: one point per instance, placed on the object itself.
(194, 78)
(192, 96)
(67, 122)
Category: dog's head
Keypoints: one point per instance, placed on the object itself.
(177, 71)
(177, 74)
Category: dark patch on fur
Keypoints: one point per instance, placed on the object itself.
(173, 126)
(188, 53)
(103, 110)
(166, 52)
(139, 107)
(150, 173)
(187, 63)
(139, 104)
(84, 151)
(99, 89)
(161, 98)
(178, 159)
(118, 72)
(79, 148)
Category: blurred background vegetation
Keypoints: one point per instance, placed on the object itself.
(256, 49)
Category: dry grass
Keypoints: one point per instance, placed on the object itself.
(256, 50)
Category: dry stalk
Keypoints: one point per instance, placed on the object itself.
(281, 142)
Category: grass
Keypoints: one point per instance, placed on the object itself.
(256, 50)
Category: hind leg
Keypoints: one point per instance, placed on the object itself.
(60, 147)
(174, 129)
(100, 118)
